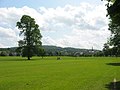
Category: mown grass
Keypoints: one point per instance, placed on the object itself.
(69, 73)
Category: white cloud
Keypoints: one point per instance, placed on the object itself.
(8, 37)
(86, 25)
(80, 26)
(7, 33)
(86, 39)
(1, 46)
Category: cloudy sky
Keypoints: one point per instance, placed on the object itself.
(65, 23)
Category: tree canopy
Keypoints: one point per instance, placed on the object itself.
(31, 42)
(114, 24)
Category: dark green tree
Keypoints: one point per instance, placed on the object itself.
(106, 50)
(114, 25)
(41, 52)
(32, 37)
(4, 53)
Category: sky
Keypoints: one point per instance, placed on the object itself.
(64, 23)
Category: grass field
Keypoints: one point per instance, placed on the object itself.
(70, 73)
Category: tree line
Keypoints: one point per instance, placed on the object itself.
(53, 51)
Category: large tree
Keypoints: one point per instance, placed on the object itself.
(113, 8)
(31, 42)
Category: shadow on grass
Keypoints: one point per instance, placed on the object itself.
(113, 86)
(114, 64)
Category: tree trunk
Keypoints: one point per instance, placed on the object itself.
(28, 58)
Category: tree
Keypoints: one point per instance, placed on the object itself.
(114, 25)
(41, 52)
(113, 9)
(4, 53)
(106, 50)
(32, 36)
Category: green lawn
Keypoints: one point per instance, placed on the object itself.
(70, 73)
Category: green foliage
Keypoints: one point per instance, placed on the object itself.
(114, 25)
(32, 37)
(106, 49)
(3, 53)
(70, 73)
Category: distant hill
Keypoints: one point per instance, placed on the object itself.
(69, 50)
(53, 50)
